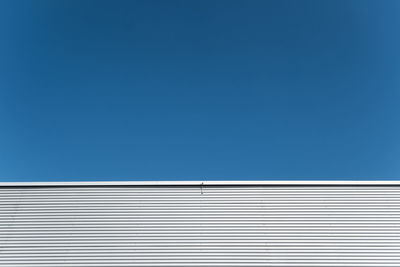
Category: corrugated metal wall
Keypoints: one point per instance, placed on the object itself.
(200, 226)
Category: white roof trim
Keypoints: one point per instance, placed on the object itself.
(199, 183)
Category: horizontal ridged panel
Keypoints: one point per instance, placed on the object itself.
(256, 225)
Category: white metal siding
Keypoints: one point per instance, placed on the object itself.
(192, 225)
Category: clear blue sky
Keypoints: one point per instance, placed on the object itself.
(199, 90)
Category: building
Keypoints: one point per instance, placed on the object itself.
(200, 224)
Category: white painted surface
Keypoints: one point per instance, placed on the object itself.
(114, 183)
(200, 224)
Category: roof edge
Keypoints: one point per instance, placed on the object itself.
(199, 183)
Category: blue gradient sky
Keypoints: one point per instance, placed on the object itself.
(199, 90)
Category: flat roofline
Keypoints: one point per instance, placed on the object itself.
(198, 183)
